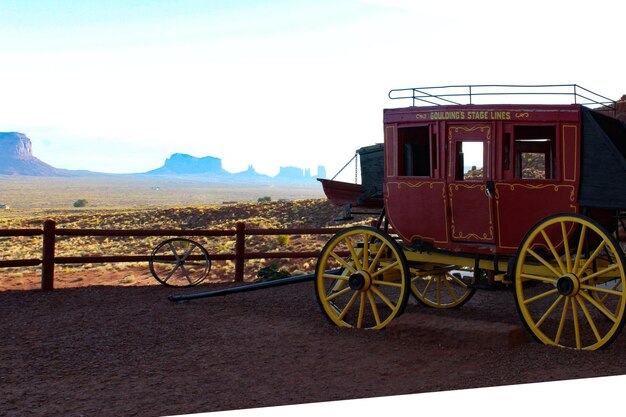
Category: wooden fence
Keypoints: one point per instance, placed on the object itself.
(49, 232)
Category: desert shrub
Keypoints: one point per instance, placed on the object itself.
(270, 273)
(80, 202)
(264, 199)
(283, 240)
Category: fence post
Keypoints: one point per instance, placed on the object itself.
(240, 251)
(47, 258)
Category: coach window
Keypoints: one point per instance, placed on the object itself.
(414, 151)
(469, 161)
(535, 152)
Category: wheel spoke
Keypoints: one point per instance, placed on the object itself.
(376, 259)
(348, 306)
(589, 319)
(185, 273)
(599, 273)
(366, 252)
(370, 297)
(540, 296)
(438, 287)
(168, 276)
(173, 249)
(430, 282)
(576, 324)
(559, 331)
(334, 295)
(187, 253)
(602, 290)
(547, 280)
(544, 262)
(599, 306)
(593, 256)
(579, 251)
(450, 289)
(550, 310)
(385, 269)
(383, 297)
(554, 252)
(336, 277)
(457, 280)
(359, 322)
(343, 263)
(387, 283)
(568, 256)
(340, 282)
(353, 253)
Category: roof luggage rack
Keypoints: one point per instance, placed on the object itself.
(470, 94)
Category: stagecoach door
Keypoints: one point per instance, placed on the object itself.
(470, 188)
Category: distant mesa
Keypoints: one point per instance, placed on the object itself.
(183, 164)
(16, 158)
(210, 167)
(295, 173)
(250, 174)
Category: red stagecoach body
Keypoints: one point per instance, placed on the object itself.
(474, 178)
(524, 166)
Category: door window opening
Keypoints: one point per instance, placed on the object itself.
(469, 159)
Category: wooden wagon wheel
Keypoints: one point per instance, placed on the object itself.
(372, 286)
(569, 283)
(179, 262)
(440, 286)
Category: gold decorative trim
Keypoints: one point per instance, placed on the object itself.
(572, 199)
(485, 237)
(393, 164)
(472, 128)
(524, 115)
(444, 198)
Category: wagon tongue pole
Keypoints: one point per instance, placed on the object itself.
(245, 288)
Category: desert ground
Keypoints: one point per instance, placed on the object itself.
(103, 350)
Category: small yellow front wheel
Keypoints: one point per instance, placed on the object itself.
(441, 286)
(362, 278)
(569, 283)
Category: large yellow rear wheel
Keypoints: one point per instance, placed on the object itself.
(362, 278)
(569, 283)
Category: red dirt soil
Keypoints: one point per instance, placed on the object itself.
(112, 350)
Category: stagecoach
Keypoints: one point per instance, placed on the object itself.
(470, 196)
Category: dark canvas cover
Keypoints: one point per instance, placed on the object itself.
(603, 165)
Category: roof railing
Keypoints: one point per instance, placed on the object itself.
(471, 94)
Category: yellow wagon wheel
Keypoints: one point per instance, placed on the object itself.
(441, 287)
(362, 278)
(569, 283)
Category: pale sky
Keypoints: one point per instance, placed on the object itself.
(120, 85)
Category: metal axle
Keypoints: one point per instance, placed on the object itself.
(250, 287)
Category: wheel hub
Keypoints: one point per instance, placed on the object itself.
(360, 281)
(568, 285)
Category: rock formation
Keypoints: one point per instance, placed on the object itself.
(16, 157)
(183, 164)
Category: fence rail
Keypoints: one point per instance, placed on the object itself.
(49, 233)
